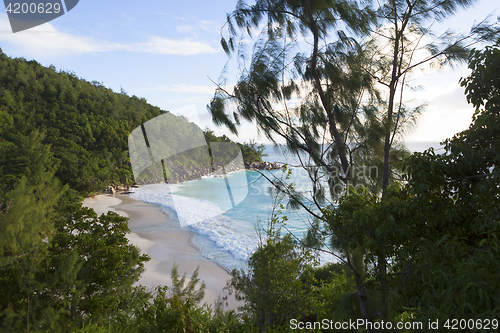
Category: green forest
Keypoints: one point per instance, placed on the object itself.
(85, 124)
(418, 248)
(63, 138)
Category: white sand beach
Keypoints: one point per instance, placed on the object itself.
(164, 248)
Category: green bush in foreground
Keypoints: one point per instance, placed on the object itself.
(177, 309)
(278, 284)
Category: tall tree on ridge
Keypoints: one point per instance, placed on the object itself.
(342, 102)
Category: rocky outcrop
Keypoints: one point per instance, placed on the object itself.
(110, 189)
(122, 189)
(263, 166)
(179, 174)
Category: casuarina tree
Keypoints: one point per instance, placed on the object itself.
(329, 78)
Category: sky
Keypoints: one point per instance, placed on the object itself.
(169, 53)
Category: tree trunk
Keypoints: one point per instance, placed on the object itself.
(382, 271)
(339, 143)
(28, 315)
(362, 298)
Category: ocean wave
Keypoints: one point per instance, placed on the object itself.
(204, 218)
(219, 230)
(225, 238)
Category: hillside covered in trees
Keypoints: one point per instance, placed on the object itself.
(62, 267)
(85, 124)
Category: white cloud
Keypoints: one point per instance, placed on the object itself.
(161, 45)
(183, 88)
(184, 29)
(209, 26)
(45, 40)
(447, 112)
(439, 124)
(178, 102)
(202, 27)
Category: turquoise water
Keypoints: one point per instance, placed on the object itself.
(228, 215)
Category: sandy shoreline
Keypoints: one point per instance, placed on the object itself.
(164, 247)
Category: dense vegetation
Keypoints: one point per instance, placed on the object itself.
(331, 79)
(64, 269)
(438, 231)
(86, 125)
(252, 152)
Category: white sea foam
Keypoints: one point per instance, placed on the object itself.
(218, 230)
(216, 227)
(227, 239)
